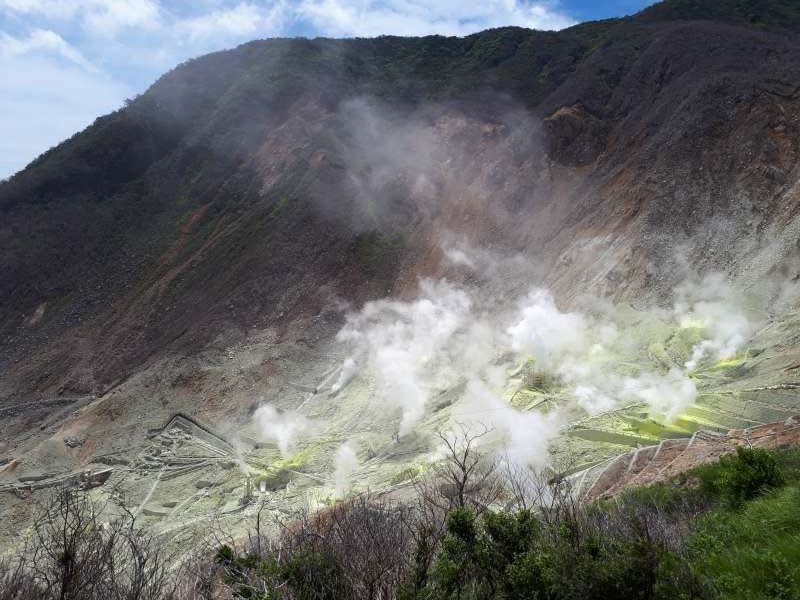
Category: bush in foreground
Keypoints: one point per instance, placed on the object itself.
(747, 474)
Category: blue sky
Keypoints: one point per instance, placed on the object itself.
(65, 62)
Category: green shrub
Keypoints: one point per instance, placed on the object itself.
(712, 534)
(525, 578)
(747, 474)
(663, 496)
(455, 568)
(225, 555)
(314, 575)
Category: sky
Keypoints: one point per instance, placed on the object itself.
(63, 63)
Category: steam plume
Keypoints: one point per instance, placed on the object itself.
(346, 464)
(281, 428)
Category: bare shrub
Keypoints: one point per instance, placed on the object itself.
(72, 554)
(201, 577)
(15, 583)
(357, 549)
(466, 478)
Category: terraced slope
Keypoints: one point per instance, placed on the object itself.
(669, 458)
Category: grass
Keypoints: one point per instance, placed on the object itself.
(755, 552)
(746, 551)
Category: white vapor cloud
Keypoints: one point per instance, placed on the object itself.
(41, 41)
(667, 396)
(546, 333)
(456, 337)
(104, 17)
(458, 257)
(401, 341)
(416, 17)
(280, 428)
(713, 304)
(418, 348)
(244, 19)
(345, 466)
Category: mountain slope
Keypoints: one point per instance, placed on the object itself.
(198, 206)
(197, 250)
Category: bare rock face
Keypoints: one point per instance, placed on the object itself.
(574, 137)
(93, 479)
(73, 442)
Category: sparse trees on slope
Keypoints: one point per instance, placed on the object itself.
(74, 555)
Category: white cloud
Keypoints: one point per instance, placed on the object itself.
(51, 9)
(327, 17)
(103, 17)
(421, 17)
(244, 19)
(107, 16)
(41, 40)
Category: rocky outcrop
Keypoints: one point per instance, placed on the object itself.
(574, 137)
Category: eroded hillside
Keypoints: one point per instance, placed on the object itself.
(198, 251)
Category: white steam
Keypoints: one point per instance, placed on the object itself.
(402, 343)
(345, 466)
(524, 436)
(713, 305)
(453, 337)
(667, 396)
(280, 428)
(459, 257)
(346, 373)
(545, 333)
(571, 345)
